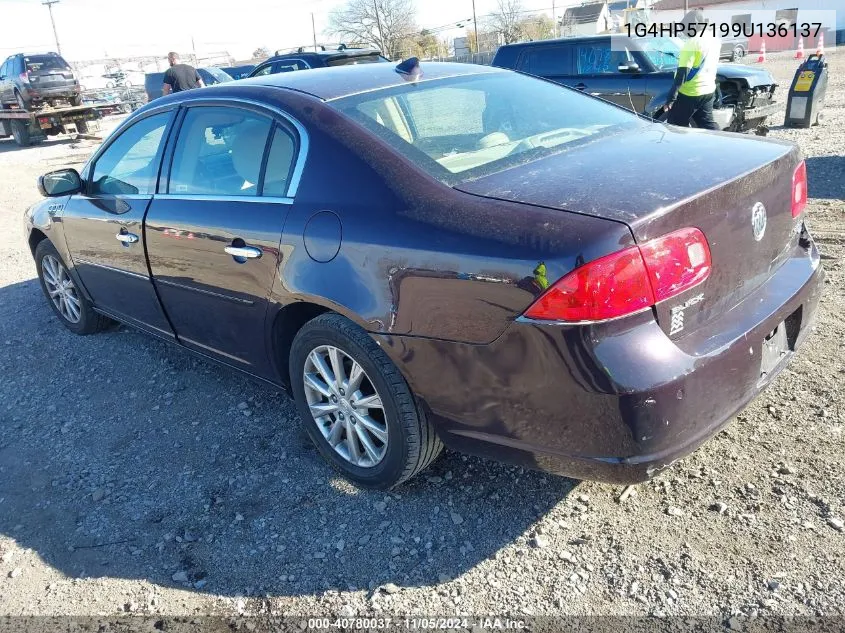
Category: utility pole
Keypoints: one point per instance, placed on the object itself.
(475, 26)
(49, 4)
(554, 20)
(380, 35)
(314, 31)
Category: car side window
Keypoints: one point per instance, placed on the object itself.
(3, 69)
(548, 61)
(219, 152)
(290, 65)
(599, 59)
(129, 165)
(279, 164)
(267, 70)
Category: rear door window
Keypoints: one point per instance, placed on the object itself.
(547, 61)
(290, 65)
(219, 152)
(37, 63)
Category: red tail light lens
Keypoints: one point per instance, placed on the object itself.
(676, 262)
(627, 281)
(799, 189)
(605, 288)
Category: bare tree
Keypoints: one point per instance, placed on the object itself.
(507, 20)
(262, 52)
(383, 24)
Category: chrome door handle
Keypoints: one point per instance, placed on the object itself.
(247, 252)
(127, 238)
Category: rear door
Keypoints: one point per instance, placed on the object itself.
(553, 62)
(103, 225)
(5, 81)
(213, 233)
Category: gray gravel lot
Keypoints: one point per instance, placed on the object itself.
(135, 478)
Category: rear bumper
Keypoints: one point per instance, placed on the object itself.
(36, 93)
(616, 401)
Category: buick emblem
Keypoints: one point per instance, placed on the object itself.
(758, 220)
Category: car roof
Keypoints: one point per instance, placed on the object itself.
(565, 40)
(346, 52)
(342, 81)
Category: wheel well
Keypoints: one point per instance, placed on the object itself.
(288, 322)
(35, 237)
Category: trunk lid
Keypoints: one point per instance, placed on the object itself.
(662, 179)
(48, 71)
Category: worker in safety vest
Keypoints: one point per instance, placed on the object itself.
(694, 89)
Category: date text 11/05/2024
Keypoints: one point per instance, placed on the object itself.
(724, 29)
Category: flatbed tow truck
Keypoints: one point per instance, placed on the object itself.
(29, 127)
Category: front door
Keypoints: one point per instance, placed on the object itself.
(103, 225)
(213, 237)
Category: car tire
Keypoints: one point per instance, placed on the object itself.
(82, 127)
(402, 441)
(20, 132)
(72, 307)
(22, 103)
(76, 100)
(737, 54)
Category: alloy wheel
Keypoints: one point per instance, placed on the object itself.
(346, 406)
(60, 287)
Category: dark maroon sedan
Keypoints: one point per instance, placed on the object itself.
(471, 256)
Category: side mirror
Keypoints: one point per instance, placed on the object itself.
(629, 67)
(63, 182)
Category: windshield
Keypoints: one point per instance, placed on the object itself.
(357, 59)
(466, 127)
(35, 63)
(218, 74)
(662, 51)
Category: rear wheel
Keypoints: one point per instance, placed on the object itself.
(356, 406)
(82, 127)
(76, 100)
(20, 132)
(738, 53)
(22, 103)
(74, 311)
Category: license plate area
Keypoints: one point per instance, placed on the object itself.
(774, 350)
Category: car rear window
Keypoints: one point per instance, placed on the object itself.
(359, 59)
(36, 63)
(466, 127)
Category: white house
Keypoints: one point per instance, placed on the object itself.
(586, 19)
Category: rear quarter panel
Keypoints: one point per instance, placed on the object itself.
(417, 257)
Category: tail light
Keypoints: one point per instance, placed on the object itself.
(24, 76)
(799, 189)
(627, 281)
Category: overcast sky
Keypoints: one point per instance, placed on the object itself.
(98, 28)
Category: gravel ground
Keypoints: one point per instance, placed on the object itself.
(135, 478)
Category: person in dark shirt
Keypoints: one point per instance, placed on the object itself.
(179, 76)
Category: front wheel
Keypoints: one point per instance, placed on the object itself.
(74, 311)
(737, 54)
(357, 407)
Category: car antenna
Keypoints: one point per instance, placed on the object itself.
(410, 69)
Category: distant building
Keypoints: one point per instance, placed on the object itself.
(586, 19)
(750, 12)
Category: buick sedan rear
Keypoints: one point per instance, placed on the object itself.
(470, 257)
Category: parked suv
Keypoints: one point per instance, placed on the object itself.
(637, 74)
(29, 81)
(303, 60)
